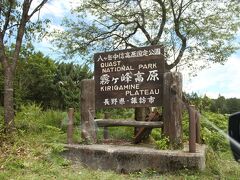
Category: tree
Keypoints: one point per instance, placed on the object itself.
(189, 30)
(233, 105)
(206, 103)
(195, 100)
(34, 80)
(68, 79)
(41, 80)
(15, 21)
(219, 105)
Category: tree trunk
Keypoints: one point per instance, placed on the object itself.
(8, 99)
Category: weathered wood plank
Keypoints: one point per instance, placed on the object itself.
(198, 127)
(172, 108)
(192, 129)
(70, 126)
(88, 111)
(123, 122)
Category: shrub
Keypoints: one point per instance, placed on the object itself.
(31, 118)
(53, 118)
(212, 127)
(160, 141)
(28, 118)
(162, 144)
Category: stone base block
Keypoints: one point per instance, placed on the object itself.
(126, 159)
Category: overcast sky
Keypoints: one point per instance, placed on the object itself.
(218, 79)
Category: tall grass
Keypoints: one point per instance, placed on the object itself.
(37, 140)
(32, 118)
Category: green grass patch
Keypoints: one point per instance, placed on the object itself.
(34, 151)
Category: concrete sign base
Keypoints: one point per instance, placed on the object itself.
(126, 159)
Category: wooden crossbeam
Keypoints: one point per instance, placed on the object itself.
(124, 122)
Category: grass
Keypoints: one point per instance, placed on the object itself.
(33, 152)
(31, 159)
(34, 156)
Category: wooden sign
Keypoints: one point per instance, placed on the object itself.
(129, 78)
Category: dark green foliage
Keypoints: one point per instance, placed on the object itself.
(67, 80)
(220, 105)
(34, 80)
(185, 125)
(194, 99)
(233, 105)
(39, 79)
(225, 106)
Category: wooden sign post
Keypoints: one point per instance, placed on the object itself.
(132, 78)
(172, 109)
(88, 128)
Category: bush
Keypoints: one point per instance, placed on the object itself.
(162, 144)
(160, 141)
(31, 118)
(53, 118)
(212, 127)
(28, 118)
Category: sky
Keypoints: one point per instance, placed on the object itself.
(214, 81)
